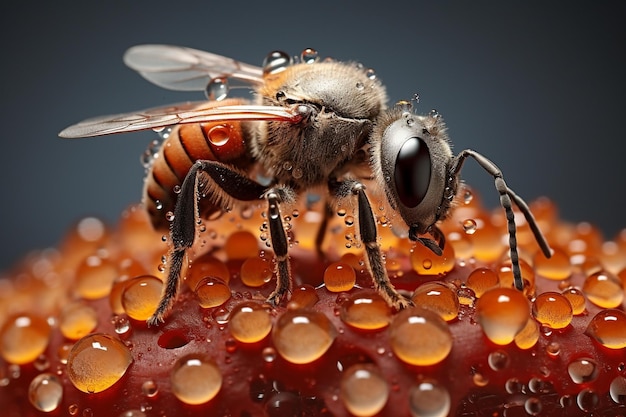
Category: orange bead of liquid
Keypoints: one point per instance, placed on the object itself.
(195, 379)
(576, 298)
(505, 275)
(608, 327)
(439, 298)
(408, 341)
(23, 337)
(77, 320)
(94, 277)
(502, 313)
(212, 292)
(96, 362)
(604, 289)
(339, 277)
(249, 322)
(553, 310)
(303, 336)
(364, 390)
(425, 262)
(481, 280)
(303, 296)
(141, 296)
(366, 310)
(528, 336)
(241, 245)
(486, 240)
(557, 267)
(206, 266)
(45, 392)
(256, 272)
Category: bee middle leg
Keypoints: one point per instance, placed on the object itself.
(369, 237)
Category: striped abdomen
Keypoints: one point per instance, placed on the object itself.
(187, 143)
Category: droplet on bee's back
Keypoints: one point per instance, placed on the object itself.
(309, 56)
(217, 89)
(276, 62)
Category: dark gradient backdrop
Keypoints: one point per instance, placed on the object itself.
(538, 88)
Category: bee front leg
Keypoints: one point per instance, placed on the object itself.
(369, 237)
(223, 184)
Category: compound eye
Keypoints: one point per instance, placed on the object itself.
(412, 172)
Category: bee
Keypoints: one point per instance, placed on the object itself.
(313, 124)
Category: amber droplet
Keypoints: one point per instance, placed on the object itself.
(608, 327)
(302, 336)
(256, 272)
(481, 280)
(425, 262)
(486, 241)
(364, 390)
(45, 392)
(407, 337)
(552, 309)
(241, 245)
(94, 277)
(206, 266)
(604, 289)
(77, 320)
(303, 297)
(429, 399)
(366, 310)
(439, 298)
(195, 379)
(212, 292)
(576, 298)
(505, 274)
(23, 337)
(617, 390)
(96, 362)
(141, 296)
(583, 370)
(339, 277)
(502, 313)
(249, 322)
(557, 267)
(528, 336)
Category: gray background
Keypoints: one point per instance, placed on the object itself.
(537, 88)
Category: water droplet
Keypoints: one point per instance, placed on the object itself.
(469, 226)
(528, 336)
(219, 135)
(268, 354)
(604, 289)
(557, 267)
(23, 337)
(217, 89)
(169, 216)
(255, 272)
(140, 296)
(364, 390)
(370, 73)
(309, 56)
(434, 114)
(425, 262)
(553, 310)
(481, 280)
(359, 86)
(45, 392)
(404, 106)
(439, 298)
(407, 339)
(468, 196)
(339, 277)
(617, 390)
(195, 379)
(249, 322)
(158, 204)
(429, 399)
(276, 62)
(587, 400)
(498, 360)
(533, 406)
(212, 292)
(576, 298)
(96, 362)
(241, 245)
(95, 276)
(77, 320)
(608, 327)
(366, 310)
(133, 413)
(149, 388)
(502, 313)
(582, 370)
(302, 336)
(553, 349)
(513, 386)
(297, 173)
(349, 220)
(302, 297)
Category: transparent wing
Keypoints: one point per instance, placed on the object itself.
(187, 69)
(190, 112)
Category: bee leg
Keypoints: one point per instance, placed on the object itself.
(224, 185)
(321, 231)
(506, 196)
(369, 237)
(280, 245)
